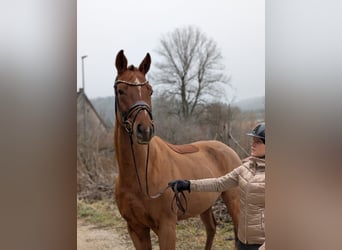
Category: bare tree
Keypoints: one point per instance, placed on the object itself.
(191, 67)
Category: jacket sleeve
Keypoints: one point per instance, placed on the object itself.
(219, 184)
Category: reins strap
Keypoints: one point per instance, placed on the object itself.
(135, 164)
(177, 194)
(146, 179)
(136, 108)
(177, 198)
(146, 173)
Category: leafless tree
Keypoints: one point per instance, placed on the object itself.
(191, 68)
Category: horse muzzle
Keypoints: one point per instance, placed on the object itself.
(144, 133)
(139, 122)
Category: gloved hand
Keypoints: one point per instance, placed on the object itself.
(180, 185)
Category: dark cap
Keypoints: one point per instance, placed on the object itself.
(258, 132)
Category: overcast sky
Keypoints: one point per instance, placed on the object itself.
(106, 26)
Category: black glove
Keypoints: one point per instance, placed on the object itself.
(180, 185)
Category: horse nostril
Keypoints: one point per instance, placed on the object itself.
(139, 129)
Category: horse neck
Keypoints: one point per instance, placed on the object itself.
(124, 155)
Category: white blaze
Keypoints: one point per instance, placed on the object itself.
(139, 87)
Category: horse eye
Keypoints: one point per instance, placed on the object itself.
(120, 91)
(151, 92)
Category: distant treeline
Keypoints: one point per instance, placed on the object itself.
(219, 121)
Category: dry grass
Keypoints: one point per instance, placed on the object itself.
(190, 233)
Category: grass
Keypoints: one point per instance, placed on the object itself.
(101, 213)
(190, 233)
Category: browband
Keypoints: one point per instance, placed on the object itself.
(131, 83)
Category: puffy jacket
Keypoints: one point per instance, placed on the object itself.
(250, 177)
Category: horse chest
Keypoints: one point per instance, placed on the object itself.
(133, 208)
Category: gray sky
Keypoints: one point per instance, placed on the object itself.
(106, 26)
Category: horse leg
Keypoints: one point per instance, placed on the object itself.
(140, 236)
(209, 222)
(231, 199)
(167, 235)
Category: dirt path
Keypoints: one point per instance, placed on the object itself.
(92, 237)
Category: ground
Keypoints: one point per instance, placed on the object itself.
(92, 237)
(100, 226)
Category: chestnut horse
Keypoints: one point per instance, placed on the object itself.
(147, 163)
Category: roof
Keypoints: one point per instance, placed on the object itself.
(82, 94)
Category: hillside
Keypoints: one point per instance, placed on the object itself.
(251, 104)
(105, 106)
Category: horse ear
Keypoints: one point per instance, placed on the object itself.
(121, 62)
(145, 64)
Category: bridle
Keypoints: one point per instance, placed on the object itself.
(134, 110)
(128, 124)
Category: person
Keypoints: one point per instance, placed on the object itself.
(250, 178)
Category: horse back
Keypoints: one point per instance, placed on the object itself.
(218, 155)
(209, 158)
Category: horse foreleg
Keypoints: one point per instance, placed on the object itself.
(167, 235)
(231, 199)
(140, 236)
(210, 226)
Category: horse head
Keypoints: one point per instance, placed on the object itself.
(133, 98)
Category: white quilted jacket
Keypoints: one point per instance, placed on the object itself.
(250, 177)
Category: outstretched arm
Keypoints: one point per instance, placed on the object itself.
(219, 184)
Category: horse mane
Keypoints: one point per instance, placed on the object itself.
(131, 67)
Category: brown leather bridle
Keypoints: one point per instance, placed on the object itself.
(134, 110)
(128, 124)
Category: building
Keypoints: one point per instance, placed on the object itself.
(96, 168)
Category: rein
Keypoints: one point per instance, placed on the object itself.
(134, 110)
